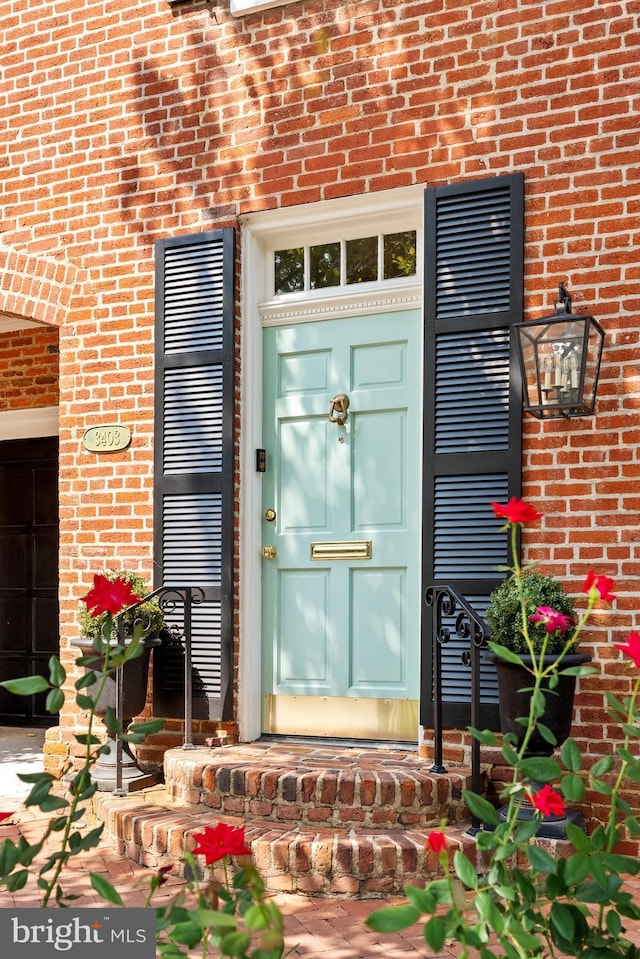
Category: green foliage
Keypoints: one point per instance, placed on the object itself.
(513, 899)
(504, 613)
(235, 919)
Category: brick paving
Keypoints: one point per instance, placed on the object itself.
(314, 928)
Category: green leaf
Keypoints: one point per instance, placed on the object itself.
(212, 919)
(577, 671)
(104, 888)
(484, 736)
(49, 803)
(616, 706)
(111, 721)
(562, 919)
(393, 918)
(85, 702)
(576, 868)
(89, 840)
(18, 880)
(35, 777)
(578, 838)
(422, 899)
(601, 787)
(540, 859)
(464, 870)
(38, 792)
(632, 825)
(255, 918)
(148, 727)
(55, 701)
(488, 911)
(435, 933)
(572, 787)
(538, 704)
(503, 653)
(188, 933)
(27, 686)
(88, 679)
(614, 923)
(57, 675)
(482, 808)
(546, 734)
(510, 755)
(540, 769)
(603, 766)
(8, 857)
(235, 944)
(571, 755)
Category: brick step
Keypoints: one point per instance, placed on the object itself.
(350, 863)
(317, 785)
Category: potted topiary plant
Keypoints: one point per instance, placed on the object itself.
(550, 614)
(138, 611)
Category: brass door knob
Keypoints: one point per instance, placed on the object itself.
(269, 552)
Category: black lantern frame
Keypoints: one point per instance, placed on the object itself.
(560, 359)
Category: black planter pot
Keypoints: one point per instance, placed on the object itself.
(513, 681)
(135, 675)
(514, 700)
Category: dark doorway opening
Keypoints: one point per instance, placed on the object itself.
(29, 615)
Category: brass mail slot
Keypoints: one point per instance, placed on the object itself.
(350, 549)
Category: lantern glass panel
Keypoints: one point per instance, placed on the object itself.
(560, 362)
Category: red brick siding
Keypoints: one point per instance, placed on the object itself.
(166, 121)
(29, 369)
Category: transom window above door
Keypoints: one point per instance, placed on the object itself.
(344, 262)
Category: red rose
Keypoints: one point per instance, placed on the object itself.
(436, 842)
(631, 647)
(219, 841)
(108, 596)
(552, 619)
(546, 801)
(516, 511)
(599, 584)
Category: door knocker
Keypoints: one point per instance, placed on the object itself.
(338, 409)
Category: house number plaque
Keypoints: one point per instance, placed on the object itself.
(107, 439)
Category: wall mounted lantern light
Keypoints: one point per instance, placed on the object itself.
(560, 361)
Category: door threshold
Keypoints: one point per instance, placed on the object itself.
(347, 743)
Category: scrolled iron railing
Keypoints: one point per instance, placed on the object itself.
(446, 601)
(177, 602)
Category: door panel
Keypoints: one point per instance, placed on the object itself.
(342, 628)
(29, 632)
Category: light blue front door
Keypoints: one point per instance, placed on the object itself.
(341, 593)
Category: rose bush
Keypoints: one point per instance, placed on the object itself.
(517, 900)
(227, 917)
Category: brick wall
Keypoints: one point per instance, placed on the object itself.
(130, 121)
(29, 369)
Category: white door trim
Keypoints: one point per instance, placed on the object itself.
(29, 423)
(262, 233)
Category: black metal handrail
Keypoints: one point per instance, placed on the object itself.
(447, 601)
(170, 598)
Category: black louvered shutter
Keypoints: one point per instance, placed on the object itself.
(193, 507)
(472, 446)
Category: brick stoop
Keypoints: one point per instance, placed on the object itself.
(317, 785)
(345, 823)
(351, 863)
